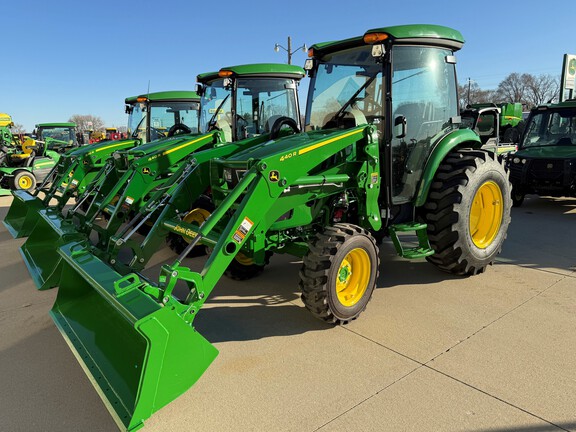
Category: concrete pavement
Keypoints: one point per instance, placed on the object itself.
(432, 352)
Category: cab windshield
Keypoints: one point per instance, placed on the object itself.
(57, 136)
(347, 88)
(163, 118)
(258, 103)
(551, 128)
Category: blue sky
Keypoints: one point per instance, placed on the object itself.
(84, 57)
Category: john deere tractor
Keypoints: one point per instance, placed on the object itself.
(498, 126)
(382, 153)
(247, 104)
(150, 118)
(30, 164)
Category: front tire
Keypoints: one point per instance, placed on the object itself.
(24, 180)
(339, 273)
(468, 212)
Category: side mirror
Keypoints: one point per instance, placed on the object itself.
(400, 126)
(200, 89)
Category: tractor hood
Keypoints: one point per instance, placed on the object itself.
(547, 152)
(294, 145)
(93, 149)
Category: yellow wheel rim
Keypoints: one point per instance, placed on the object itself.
(486, 214)
(353, 277)
(196, 216)
(25, 182)
(243, 259)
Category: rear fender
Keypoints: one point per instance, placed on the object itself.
(455, 139)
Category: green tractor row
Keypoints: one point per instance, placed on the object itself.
(25, 163)
(382, 153)
(151, 117)
(127, 179)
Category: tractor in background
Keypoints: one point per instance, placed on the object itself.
(498, 126)
(25, 167)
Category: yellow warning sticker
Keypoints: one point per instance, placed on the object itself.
(242, 230)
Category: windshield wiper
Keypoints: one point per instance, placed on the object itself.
(353, 98)
(212, 122)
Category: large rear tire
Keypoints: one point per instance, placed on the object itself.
(468, 211)
(339, 273)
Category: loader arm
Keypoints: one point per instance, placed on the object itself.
(150, 167)
(254, 206)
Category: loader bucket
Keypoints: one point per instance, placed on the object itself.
(22, 214)
(39, 251)
(138, 355)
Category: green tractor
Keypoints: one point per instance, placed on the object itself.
(30, 164)
(248, 104)
(150, 118)
(498, 126)
(382, 153)
(545, 163)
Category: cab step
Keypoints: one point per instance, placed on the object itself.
(422, 250)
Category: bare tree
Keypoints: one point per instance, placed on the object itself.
(18, 129)
(513, 88)
(541, 89)
(471, 93)
(528, 89)
(87, 122)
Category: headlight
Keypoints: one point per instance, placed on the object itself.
(523, 161)
(516, 160)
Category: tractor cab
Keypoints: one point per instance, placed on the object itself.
(153, 116)
(246, 101)
(59, 137)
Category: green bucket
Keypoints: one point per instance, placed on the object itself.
(22, 214)
(138, 354)
(40, 250)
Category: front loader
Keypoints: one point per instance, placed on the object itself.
(241, 103)
(383, 153)
(150, 118)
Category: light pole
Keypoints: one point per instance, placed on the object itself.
(289, 49)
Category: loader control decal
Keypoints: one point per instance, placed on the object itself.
(127, 203)
(374, 178)
(328, 141)
(242, 230)
(274, 176)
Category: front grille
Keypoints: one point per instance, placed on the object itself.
(547, 169)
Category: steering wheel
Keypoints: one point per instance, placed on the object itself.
(179, 127)
(283, 121)
(156, 134)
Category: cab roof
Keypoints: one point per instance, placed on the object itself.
(167, 96)
(50, 125)
(569, 103)
(427, 34)
(275, 70)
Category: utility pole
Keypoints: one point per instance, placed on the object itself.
(288, 50)
(469, 81)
